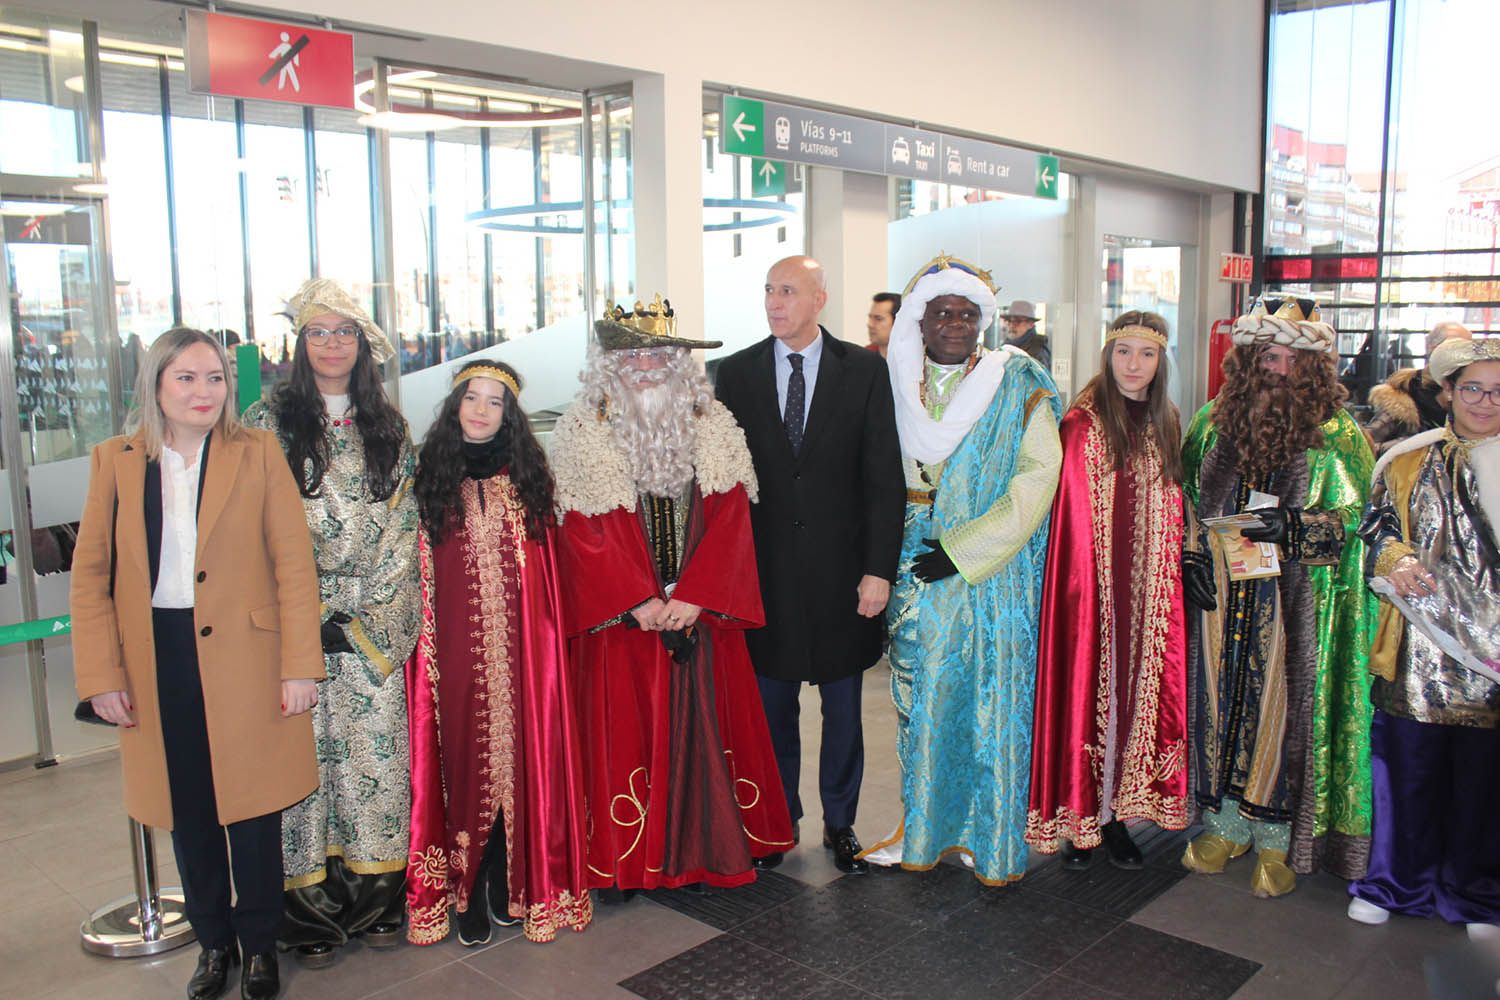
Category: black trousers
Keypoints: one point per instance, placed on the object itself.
(841, 755)
(198, 839)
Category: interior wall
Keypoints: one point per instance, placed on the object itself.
(1180, 99)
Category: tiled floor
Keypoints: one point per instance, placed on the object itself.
(803, 932)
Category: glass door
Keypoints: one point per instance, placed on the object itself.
(1157, 277)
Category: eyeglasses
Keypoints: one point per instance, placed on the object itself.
(320, 336)
(1472, 394)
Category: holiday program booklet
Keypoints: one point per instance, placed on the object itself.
(1246, 559)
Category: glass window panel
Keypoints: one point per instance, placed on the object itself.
(276, 211)
(41, 98)
(459, 189)
(345, 240)
(206, 174)
(1325, 129)
(409, 226)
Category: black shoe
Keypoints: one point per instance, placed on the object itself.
(1122, 850)
(1076, 859)
(766, 862)
(211, 977)
(474, 924)
(500, 917)
(261, 979)
(384, 934)
(845, 845)
(316, 956)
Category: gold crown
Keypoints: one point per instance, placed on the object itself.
(656, 320)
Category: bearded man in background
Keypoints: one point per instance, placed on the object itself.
(1279, 717)
(654, 485)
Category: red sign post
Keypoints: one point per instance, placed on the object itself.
(268, 60)
(1238, 268)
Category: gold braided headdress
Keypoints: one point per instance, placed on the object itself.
(488, 371)
(1138, 330)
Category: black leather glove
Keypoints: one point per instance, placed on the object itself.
(334, 639)
(933, 566)
(1276, 526)
(1198, 580)
(680, 644)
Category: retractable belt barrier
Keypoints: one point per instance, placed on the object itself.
(151, 921)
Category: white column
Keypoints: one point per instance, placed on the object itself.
(848, 236)
(667, 140)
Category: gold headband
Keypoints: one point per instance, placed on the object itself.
(488, 371)
(1137, 330)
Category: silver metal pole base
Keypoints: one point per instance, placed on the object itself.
(115, 928)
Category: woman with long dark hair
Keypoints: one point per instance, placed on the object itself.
(345, 846)
(497, 793)
(1111, 698)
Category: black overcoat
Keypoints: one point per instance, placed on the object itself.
(826, 517)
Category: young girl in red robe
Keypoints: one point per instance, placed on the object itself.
(497, 794)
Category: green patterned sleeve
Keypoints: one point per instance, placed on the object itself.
(384, 632)
(981, 547)
(1195, 444)
(1347, 463)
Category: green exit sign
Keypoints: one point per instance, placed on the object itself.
(742, 126)
(1046, 176)
(767, 177)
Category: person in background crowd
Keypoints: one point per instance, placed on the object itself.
(1021, 333)
(819, 423)
(654, 486)
(883, 309)
(1411, 401)
(344, 847)
(195, 630)
(981, 456)
(1279, 707)
(1435, 743)
(1111, 699)
(498, 821)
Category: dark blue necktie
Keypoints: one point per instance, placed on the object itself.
(796, 403)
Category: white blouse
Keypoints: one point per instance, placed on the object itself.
(179, 529)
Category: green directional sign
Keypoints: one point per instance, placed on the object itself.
(742, 127)
(1046, 176)
(767, 177)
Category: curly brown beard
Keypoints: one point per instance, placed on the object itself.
(1272, 419)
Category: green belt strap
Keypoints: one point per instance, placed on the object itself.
(42, 628)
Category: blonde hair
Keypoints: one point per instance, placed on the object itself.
(146, 416)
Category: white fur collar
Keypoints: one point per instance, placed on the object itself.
(1414, 443)
(593, 475)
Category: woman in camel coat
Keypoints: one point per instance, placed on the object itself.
(196, 630)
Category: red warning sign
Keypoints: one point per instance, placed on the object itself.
(268, 60)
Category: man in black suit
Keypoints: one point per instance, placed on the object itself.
(819, 419)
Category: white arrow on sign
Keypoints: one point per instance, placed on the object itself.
(741, 126)
(767, 171)
(1047, 177)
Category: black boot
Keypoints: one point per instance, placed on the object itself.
(261, 978)
(1076, 859)
(474, 923)
(1122, 850)
(497, 889)
(211, 977)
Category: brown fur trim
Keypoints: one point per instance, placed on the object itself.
(1392, 399)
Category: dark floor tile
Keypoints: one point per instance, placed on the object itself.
(942, 890)
(1038, 929)
(1104, 887)
(829, 931)
(939, 964)
(1162, 848)
(726, 908)
(727, 967)
(1137, 962)
(1059, 987)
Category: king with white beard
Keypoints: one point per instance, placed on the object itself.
(654, 486)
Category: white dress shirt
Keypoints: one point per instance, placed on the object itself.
(179, 529)
(811, 355)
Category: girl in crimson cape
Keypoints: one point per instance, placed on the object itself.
(1111, 696)
(497, 793)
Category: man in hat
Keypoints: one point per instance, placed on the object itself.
(654, 485)
(1020, 332)
(1279, 708)
(981, 454)
(817, 417)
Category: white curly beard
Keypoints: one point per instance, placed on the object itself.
(652, 416)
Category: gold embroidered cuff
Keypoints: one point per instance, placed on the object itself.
(1391, 553)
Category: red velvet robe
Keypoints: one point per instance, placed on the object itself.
(1111, 694)
(490, 713)
(681, 777)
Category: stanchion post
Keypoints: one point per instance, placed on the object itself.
(148, 923)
